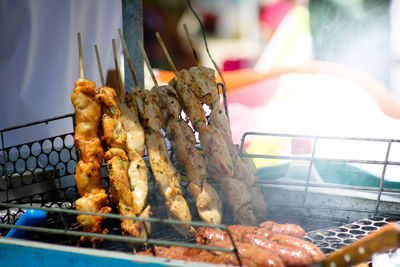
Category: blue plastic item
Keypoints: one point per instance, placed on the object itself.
(30, 218)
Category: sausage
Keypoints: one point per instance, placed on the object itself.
(287, 228)
(261, 232)
(205, 235)
(289, 256)
(294, 242)
(238, 231)
(247, 252)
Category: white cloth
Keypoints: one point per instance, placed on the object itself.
(39, 56)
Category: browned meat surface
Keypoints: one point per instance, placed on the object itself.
(292, 251)
(87, 174)
(209, 205)
(287, 228)
(167, 177)
(120, 187)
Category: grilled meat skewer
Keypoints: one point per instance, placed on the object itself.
(167, 177)
(87, 175)
(204, 87)
(215, 148)
(117, 161)
(211, 141)
(209, 205)
(137, 171)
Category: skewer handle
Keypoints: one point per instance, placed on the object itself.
(99, 64)
(146, 59)
(128, 58)
(164, 48)
(80, 56)
(119, 79)
(191, 44)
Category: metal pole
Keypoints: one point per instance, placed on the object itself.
(132, 23)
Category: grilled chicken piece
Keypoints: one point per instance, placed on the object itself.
(134, 130)
(137, 172)
(167, 177)
(211, 140)
(88, 177)
(120, 193)
(118, 162)
(113, 129)
(216, 149)
(209, 205)
(87, 174)
(205, 89)
(239, 200)
(92, 203)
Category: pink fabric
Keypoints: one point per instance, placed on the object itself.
(272, 15)
(254, 95)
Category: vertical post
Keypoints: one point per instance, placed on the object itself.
(132, 24)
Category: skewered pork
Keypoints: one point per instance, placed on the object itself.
(167, 177)
(209, 205)
(87, 175)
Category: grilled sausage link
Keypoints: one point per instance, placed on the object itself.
(290, 256)
(287, 228)
(260, 257)
(291, 241)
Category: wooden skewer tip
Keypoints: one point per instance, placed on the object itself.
(128, 58)
(99, 65)
(164, 48)
(80, 56)
(191, 44)
(146, 60)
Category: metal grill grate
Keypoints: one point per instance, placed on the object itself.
(329, 240)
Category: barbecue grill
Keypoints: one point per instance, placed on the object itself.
(40, 174)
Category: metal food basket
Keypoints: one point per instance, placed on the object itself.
(39, 174)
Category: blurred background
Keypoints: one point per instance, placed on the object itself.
(318, 67)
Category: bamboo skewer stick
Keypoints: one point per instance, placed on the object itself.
(119, 79)
(129, 59)
(164, 48)
(191, 45)
(80, 56)
(146, 59)
(99, 64)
